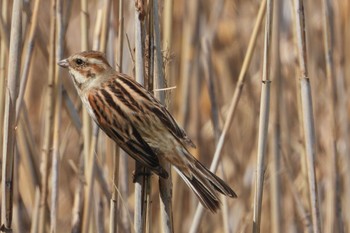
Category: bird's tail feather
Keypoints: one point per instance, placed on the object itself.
(204, 184)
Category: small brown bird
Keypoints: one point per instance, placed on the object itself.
(139, 124)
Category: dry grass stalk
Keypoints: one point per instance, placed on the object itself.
(123, 157)
(113, 219)
(333, 221)
(141, 181)
(308, 122)
(3, 63)
(9, 132)
(90, 179)
(27, 57)
(49, 118)
(57, 120)
(165, 185)
(87, 129)
(277, 92)
(189, 50)
(263, 119)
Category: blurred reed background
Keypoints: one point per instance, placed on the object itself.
(261, 90)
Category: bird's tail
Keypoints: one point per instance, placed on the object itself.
(205, 184)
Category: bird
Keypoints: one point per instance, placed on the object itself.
(132, 117)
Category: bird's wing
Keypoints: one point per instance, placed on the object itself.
(113, 120)
(142, 98)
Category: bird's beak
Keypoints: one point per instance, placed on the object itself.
(63, 63)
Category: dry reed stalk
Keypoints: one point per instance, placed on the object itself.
(124, 192)
(301, 211)
(209, 77)
(301, 149)
(189, 50)
(123, 157)
(3, 63)
(78, 204)
(308, 121)
(18, 223)
(93, 171)
(9, 130)
(341, 9)
(167, 33)
(90, 178)
(87, 129)
(114, 199)
(49, 118)
(141, 181)
(333, 220)
(207, 42)
(263, 119)
(23, 149)
(114, 150)
(114, 216)
(237, 93)
(27, 57)
(34, 223)
(105, 25)
(165, 185)
(57, 118)
(275, 187)
(4, 32)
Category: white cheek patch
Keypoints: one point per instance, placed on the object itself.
(77, 78)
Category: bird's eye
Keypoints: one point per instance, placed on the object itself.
(79, 61)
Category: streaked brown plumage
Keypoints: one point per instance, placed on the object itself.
(139, 124)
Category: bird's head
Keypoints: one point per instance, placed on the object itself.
(86, 68)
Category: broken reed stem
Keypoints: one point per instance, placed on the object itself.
(9, 132)
(307, 114)
(57, 119)
(237, 93)
(49, 117)
(263, 119)
(165, 185)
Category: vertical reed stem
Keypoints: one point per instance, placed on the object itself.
(308, 121)
(49, 118)
(9, 139)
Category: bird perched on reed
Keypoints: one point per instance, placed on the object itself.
(139, 124)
